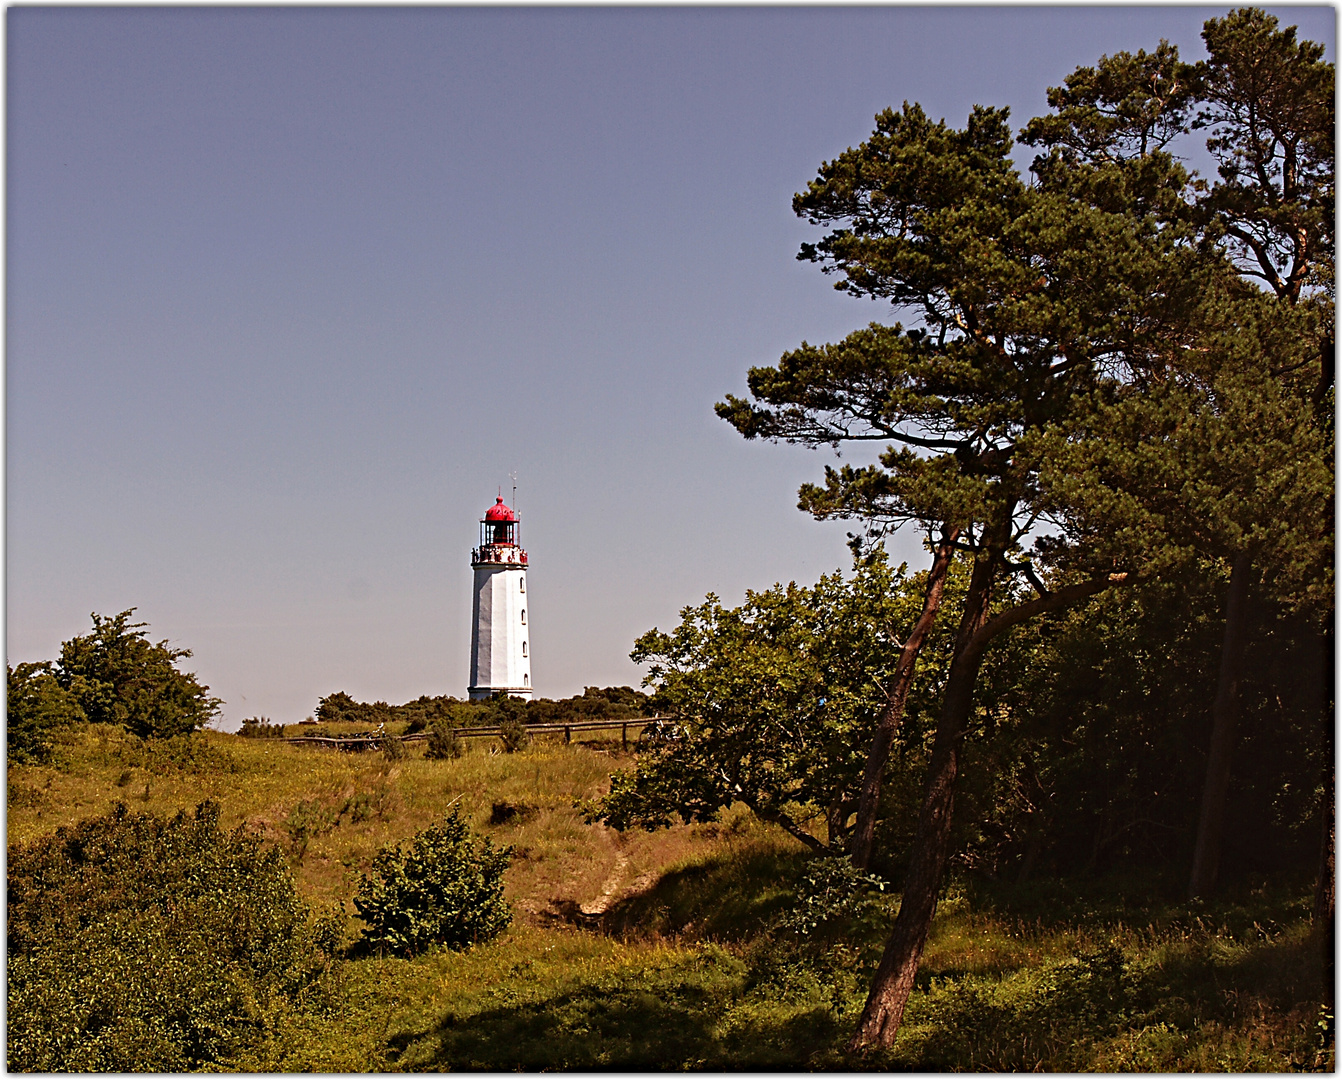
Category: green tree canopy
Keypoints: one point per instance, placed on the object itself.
(118, 676)
(36, 705)
(1048, 314)
(775, 703)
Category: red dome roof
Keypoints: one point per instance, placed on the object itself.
(499, 512)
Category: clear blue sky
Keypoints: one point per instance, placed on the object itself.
(292, 291)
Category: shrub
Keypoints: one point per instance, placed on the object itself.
(445, 889)
(444, 742)
(119, 677)
(309, 819)
(259, 727)
(514, 736)
(392, 747)
(36, 705)
(189, 755)
(834, 896)
(506, 813)
(143, 944)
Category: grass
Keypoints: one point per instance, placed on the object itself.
(655, 950)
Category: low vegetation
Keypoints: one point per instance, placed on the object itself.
(723, 944)
(445, 888)
(141, 943)
(594, 703)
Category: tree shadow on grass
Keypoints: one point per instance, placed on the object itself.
(659, 1018)
(728, 897)
(1059, 1017)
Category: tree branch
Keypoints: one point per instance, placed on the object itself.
(1054, 601)
(1028, 570)
(792, 829)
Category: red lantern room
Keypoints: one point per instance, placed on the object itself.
(499, 530)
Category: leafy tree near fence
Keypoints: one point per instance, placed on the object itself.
(776, 701)
(444, 888)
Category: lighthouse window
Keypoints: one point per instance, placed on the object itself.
(523, 583)
(526, 679)
(524, 648)
(524, 616)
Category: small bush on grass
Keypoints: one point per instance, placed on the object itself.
(514, 736)
(143, 944)
(446, 888)
(308, 820)
(392, 748)
(260, 727)
(507, 813)
(834, 898)
(444, 742)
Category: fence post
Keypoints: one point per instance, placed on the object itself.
(568, 733)
(624, 736)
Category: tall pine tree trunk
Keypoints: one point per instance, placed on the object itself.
(893, 983)
(1324, 915)
(1225, 715)
(931, 845)
(893, 713)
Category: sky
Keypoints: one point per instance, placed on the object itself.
(291, 292)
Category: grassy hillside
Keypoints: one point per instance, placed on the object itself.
(664, 949)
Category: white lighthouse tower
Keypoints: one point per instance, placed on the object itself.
(500, 660)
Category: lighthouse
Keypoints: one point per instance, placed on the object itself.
(500, 659)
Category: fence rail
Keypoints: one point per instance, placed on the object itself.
(367, 742)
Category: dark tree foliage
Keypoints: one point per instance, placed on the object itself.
(1096, 765)
(341, 708)
(142, 944)
(118, 676)
(36, 706)
(260, 727)
(445, 888)
(1243, 422)
(594, 703)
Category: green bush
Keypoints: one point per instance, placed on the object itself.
(118, 676)
(446, 889)
(189, 755)
(834, 898)
(514, 735)
(260, 727)
(143, 944)
(444, 742)
(36, 705)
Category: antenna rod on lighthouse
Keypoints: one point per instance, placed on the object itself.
(513, 474)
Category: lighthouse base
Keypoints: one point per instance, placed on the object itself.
(484, 693)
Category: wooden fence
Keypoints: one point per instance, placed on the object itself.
(369, 742)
